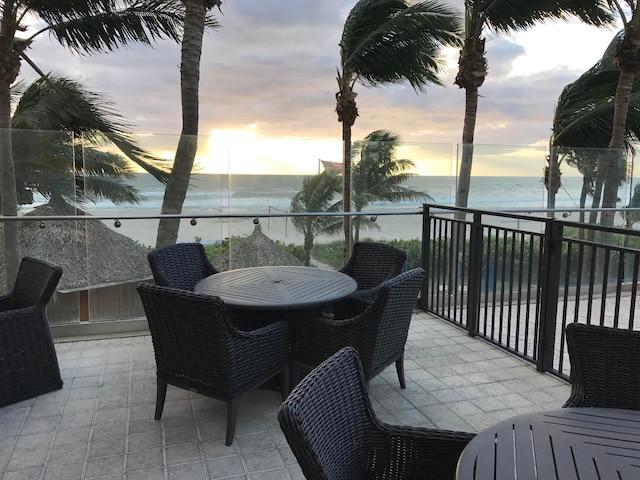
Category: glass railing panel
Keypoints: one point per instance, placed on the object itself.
(46, 187)
(578, 182)
(117, 247)
(506, 177)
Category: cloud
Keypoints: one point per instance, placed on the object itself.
(273, 65)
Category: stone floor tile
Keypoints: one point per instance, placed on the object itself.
(145, 460)
(101, 422)
(225, 466)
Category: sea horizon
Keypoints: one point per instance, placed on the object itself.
(272, 194)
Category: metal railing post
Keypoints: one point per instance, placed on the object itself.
(475, 274)
(550, 284)
(425, 260)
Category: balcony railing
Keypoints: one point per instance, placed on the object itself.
(513, 279)
(518, 280)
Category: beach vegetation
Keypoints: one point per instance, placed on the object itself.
(582, 128)
(215, 250)
(633, 217)
(82, 27)
(197, 18)
(378, 176)
(627, 53)
(388, 42)
(504, 17)
(317, 195)
(331, 252)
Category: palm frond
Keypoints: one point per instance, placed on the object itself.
(105, 25)
(391, 41)
(584, 114)
(515, 15)
(57, 103)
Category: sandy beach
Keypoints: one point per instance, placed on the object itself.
(211, 230)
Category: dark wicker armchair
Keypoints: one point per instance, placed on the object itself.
(333, 431)
(184, 264)
(604, 366)
(198, 349)
(370, 264)
(378, 330)
(180, 266)
(28, 361)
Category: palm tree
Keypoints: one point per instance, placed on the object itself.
(378, 175)
(611, 170)
(195, 22)
(583, 123)
(388, 41)
(59, 130)
(632, 218)
(316, 196)
(82, 27)
(583, 120)
(504, 16)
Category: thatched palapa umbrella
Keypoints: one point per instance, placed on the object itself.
(256, 250)
(90, 253)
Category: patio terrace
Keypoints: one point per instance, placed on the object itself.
(101, 426)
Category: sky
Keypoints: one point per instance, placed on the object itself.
(268, 79)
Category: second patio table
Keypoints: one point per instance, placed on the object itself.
(278, 288)
(566, 444)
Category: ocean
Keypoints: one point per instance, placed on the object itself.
(261, 194)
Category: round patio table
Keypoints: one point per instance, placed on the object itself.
(278, 287)
(566, 444)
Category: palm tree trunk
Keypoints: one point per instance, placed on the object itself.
(613, 174)
(583, 203)
(468, 130)
(346, 186)
(9, 67)
(308, 246)
(178, 183)
(597, 191)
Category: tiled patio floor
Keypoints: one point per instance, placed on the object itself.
(100, 425)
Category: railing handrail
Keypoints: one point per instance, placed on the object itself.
(519, 288)
(206, 215)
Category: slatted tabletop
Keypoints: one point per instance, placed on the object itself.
(565, 444)
(278, 288)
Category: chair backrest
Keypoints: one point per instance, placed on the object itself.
(191, 336)
(391, 315)
(605, 368)
(35, 283)
(180, 266)
(328, 420)
(372, 263)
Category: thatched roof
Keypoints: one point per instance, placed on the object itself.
(89, 252)
(256, 250)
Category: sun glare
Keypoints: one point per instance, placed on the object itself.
(242, 151)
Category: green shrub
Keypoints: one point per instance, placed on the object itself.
(331, 253)
(295, 250)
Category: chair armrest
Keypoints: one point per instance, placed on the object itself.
(274, 329)
(23, 316)
(424, 453)
(349, 307)
(271, 342)
(6, 302)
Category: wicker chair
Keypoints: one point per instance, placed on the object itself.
(28, 361)
(333, 431)
(379, 332)
(184, 264)
(604, 367)
(180, 266)
(370, 264)
(198, 349)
